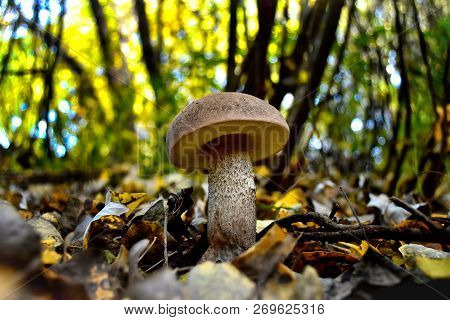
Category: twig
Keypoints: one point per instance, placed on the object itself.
(334, 210)
(166, 256)
(415, 213)
(354, 213)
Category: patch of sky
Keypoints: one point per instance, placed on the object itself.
(181, 34)
(395, 79)
(52, 116)
(287, 101)
(379, 14)
(178, 75)
(99, 71)
(220, 76)
(64, 84)
(71, 114)
(209, 55)
(357, 125)
(164, 57)
(21, 32)
(331, 60)
(337, 98)
(64, 106)
(4, 140)
(16, 122)
(23, 106)
(71, 141)
(42, 129)
(317, 99)
(60, 151)
(72, 127)
(315, 143)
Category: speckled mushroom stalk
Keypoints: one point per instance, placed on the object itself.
(231, 201)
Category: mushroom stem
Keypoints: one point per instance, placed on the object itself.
(231, 204)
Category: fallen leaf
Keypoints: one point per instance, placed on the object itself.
(434, 263)
(294, 199)
(162, 285)
(357, 251)
(286, 284)
(90, 270)
(259, 261)
(434, 268)
(130, 200)
(47, 231)
(19, 242)
(154, 232)
(218, 282)
(327, 263)
(71, 214)
(110, 209)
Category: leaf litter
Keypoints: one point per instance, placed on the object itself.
(85, 244)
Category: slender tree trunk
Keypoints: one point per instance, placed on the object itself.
(404, 98)
(149, 56)
(232, 45)
(257, 63)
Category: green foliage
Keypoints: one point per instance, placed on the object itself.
(108, 106)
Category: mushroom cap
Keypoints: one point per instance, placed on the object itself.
(223, 114)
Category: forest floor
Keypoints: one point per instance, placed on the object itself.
(116, 236)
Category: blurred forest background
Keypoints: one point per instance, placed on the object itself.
(364, 84)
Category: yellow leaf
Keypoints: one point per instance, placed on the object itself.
(283, 213)
(357, 251)
(309, 224)
(262, 171)
(293, 199)
(131, 200)
(434, 268)
(48, 254)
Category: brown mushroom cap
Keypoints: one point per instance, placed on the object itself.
(223, 114)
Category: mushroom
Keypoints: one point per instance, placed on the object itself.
(225, 133)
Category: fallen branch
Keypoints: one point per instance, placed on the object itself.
(322, 220)
(334, 232)
(378, 232)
